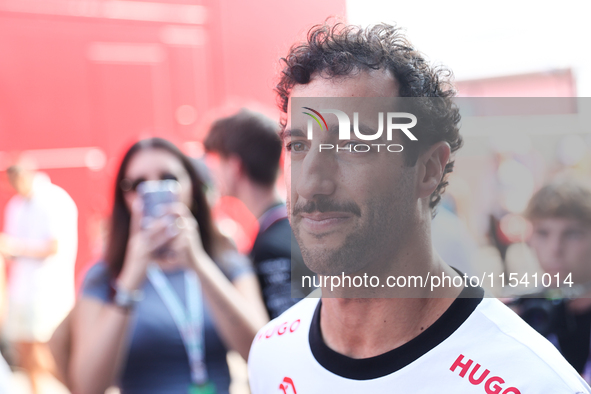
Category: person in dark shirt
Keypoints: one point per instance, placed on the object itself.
(560, 213)
(244, 151)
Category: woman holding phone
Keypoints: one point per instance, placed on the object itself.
(172, 294)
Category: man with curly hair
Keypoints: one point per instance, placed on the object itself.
(359, 214)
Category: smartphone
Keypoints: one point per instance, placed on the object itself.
(155, 196)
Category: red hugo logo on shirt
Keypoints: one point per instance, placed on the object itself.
(492, 385)
(279, 329)
(287, 386)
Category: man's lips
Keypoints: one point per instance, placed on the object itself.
(320, 216)
(318, 222)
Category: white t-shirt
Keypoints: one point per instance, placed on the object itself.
(41, 291)
(5, 377)
(477, 346)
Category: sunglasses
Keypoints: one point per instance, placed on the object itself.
(131, 185)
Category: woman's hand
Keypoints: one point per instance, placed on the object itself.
(184, 238)
(174, 241)
(152, 242)
(238, 313)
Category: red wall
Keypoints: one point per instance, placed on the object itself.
(66, 82)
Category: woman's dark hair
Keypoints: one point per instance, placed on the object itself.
(121, 216)
(340, 50)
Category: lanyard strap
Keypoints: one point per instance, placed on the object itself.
(189, 321)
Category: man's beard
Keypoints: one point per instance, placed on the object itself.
(373, 241)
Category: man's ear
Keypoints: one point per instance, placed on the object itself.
(432, 164)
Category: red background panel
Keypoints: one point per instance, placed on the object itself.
(105, 81)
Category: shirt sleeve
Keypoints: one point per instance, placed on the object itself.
(96, 283)
(5, 377)
(234, 265)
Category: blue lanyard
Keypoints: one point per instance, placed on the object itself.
(189, 321)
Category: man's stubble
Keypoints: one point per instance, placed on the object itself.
(374, 242)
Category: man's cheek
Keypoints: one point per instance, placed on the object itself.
(291, 171)
(581, 253)
(287, 173)
(536, 246)
(543, 260)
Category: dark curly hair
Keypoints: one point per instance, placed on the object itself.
(340, 50)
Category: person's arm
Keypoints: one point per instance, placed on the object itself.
(237, 318)
(14, 247)
(98, 345)
(239, 269)
(248, 286)
(100, 328)
(237, 311)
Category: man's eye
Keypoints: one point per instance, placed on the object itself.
(541, 233)
(296, 147)
(574, 234)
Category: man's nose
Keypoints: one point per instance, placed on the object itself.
(317, 174)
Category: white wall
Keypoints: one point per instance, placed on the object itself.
(478, 39)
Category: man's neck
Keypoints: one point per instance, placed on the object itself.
(363, 328)
(367, 327)
(257, 199)
(27, 196)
